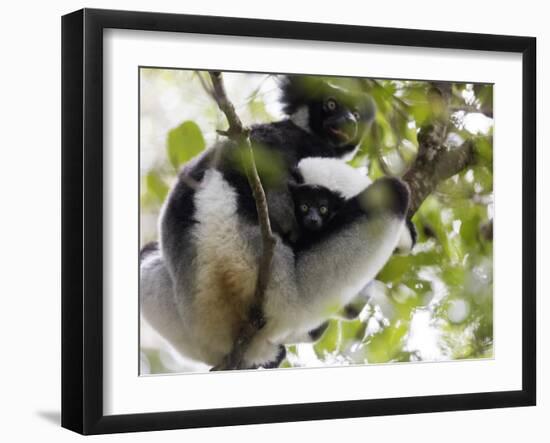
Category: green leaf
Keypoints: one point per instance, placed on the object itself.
(258, 110)
(156, 186)
(399, 265)
(375, 171)
(330, 340)
(269, 163)
(454, 276)
(387, 344)
(184, 142)
(483, 147)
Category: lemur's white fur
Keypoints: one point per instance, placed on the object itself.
(302, 291)
(334, 174)
(301, 118)
(406, 242)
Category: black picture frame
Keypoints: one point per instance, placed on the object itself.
(82, 218)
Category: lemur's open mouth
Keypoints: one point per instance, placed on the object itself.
(342, 135)
(341, 131)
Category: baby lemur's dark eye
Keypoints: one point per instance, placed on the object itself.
(323, 210)
(330, 104)
(303, 208)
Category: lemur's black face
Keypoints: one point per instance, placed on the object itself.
(337, 119)
(337, 110)
(315, 206)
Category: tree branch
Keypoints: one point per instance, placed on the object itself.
(429, 170)
(240, 135)
(435, 162)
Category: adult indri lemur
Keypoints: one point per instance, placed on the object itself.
(197, 288)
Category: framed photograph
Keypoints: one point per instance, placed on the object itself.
(270, 221)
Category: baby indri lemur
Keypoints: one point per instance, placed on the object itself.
(314, 207)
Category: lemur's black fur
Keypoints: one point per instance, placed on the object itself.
(148, 249)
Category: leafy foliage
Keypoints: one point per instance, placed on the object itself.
(184, 142)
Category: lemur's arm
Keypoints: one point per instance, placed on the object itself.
(281, 214)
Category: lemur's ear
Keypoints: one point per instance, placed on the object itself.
(412, 231)
(292, 93)
(408, 238)
(298, 90)
(296, 177)
(337, 200)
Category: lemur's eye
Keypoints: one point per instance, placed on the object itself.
(303, 208)
(356, 115)
(330, 104)
(323, 210)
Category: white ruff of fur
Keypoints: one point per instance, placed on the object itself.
(334, 175)
(349, 156)
(301, 118)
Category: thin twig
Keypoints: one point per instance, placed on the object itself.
(189, 181)
(240, 134)
(401, 107)
(398, 100)
(204, 85)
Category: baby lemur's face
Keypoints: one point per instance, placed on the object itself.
(315, 206)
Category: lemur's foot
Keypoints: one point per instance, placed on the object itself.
(386, 194)
(278, 360)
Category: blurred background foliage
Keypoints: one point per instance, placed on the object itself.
(433, 304)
